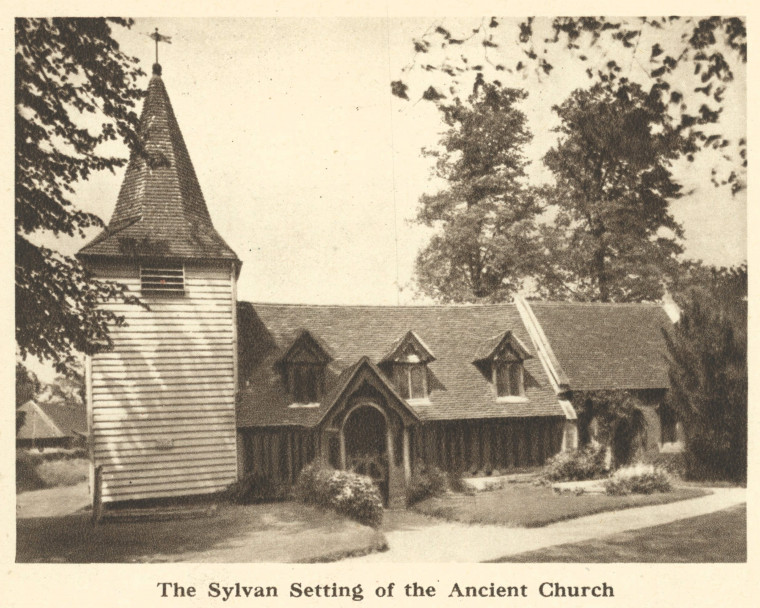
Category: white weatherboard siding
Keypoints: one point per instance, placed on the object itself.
(163, 400)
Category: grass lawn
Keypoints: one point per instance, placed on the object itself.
(274, 532)
(716, 537)
(530, 506)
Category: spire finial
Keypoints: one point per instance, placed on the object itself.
(159, 38)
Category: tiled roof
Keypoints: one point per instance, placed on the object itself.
(607, 346)
(52, 420)
(160, 210)
(489, 348)
(458, 390)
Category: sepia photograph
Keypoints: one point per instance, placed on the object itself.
(360, 289)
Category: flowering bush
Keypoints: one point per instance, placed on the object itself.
(587, 463)
(638, 479)
(346, 492)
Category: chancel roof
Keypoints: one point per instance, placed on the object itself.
(607, 346)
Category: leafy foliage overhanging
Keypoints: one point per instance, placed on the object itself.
(619, 419)
(685, 63)
(75, 92)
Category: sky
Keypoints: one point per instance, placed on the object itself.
(311, 169)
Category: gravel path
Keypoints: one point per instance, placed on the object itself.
(53, 502)
(414, 538)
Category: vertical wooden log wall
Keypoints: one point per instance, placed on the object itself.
(485, 446)
(278, 454)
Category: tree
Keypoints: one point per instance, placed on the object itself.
(485, 216)
(707, 357)
(613, 237)
(67, 389)
(27, 387)
(75, 92)
(696, 276)
(27, 384)
(687, 63)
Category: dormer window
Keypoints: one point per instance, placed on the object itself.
(410, 380)
(508, 378)
(304, 367)
(162, 279)
(407, 363)
(306, 382)
(501, 361)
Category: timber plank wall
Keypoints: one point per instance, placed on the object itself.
(482, 447)
(162, 402)
(470, 447)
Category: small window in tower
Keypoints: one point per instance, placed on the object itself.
(164, 279)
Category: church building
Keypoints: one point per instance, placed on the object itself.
(199, 389)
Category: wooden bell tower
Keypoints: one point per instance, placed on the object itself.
(161, 402)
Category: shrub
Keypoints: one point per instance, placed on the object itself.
(587, 463)
(458, 484)
(426, 481)
(63, 472)
(27, 477)
(674, 463)
(255, 488)
(638, 479)
(348, 493)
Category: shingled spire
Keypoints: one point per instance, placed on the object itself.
(160, 211)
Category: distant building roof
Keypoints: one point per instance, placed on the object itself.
(160, 211)
(458, 389)
(607, 346)
(52, 420)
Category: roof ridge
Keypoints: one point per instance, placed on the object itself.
(592, 304)
(381, 306)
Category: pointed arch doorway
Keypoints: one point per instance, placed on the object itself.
(365, 440)
(366, 427)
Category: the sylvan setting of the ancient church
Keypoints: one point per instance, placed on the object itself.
(200, 389)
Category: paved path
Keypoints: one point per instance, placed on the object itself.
(427, 540)
(52, 502)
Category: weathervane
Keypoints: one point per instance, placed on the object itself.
(159, 38)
